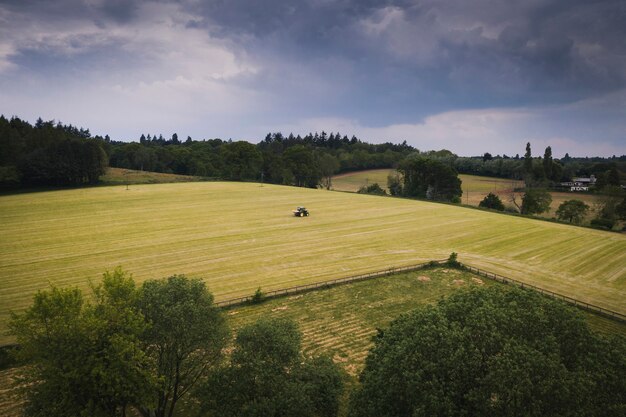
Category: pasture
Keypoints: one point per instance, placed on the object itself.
(474, 187)
(240, 236)
(116, 176)
(341, 321)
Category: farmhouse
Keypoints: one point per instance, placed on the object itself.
(580, 184)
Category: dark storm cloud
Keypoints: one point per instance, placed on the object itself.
(554, 50)
(368, 64)
(100, 12)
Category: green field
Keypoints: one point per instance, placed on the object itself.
(477, 187)
(239, 236)
(474, 187)
(115, 176)
(341, 321)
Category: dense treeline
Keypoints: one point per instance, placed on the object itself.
(540, 168)
(49, 154)
(306, 161)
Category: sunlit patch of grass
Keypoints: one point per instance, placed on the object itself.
(241, 236)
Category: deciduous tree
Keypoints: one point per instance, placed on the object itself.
(268, 377)
(429, 178)
(492, 352)
(492, 201)
(573, 211)
(85, 358)
(536, 201)
(184, 340)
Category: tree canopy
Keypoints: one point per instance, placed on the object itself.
(425, 177)
(492, 201)
(143, 348)
(536, 201)
(268, 377)
(573, 211)
(85, 358)
(492, 352)
(184, 340)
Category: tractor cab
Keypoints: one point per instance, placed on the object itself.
(301, 212)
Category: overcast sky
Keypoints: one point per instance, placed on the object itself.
(472, 76)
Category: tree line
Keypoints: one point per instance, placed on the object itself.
(163, 349)
(49, 153)
(306, 161)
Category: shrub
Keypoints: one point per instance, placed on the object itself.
(492, 201)
(372, 189)
(258, 296)
(603, 224)
(452, 260)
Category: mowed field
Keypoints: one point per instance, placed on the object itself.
(115, 176)
(341, 321)
(474, 187)
(240, 236)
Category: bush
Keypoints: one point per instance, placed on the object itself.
(452, 262)
(492, 201)
(258, 296)
(372, 189)
(602, 224)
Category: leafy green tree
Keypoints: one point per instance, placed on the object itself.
(300, 161)
(184, 340)
(492, 352)
(536, 201)
(394, 184)
(492, 201)
(548, 163)
(612, 177)
(607, 204)
(429, 178)
(241, 161)
(573, 211)
(85, 358)
(329, 166)
(267, 376)
(620, 210)
(528, 164)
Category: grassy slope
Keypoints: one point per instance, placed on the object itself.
(238, 236)
(475, 188)
(341, 321)
(116, 176)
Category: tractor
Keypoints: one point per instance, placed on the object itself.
(301, 212)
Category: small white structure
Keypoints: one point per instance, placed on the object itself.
(585, 181)
(578, 188)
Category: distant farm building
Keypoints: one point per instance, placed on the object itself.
(580, 184)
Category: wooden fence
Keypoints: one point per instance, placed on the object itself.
(580, 304)
(390, 271)
(327, 284)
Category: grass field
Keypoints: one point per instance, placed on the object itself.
(116, 176)
(474, 187)
(239, 236)
(341, 321)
